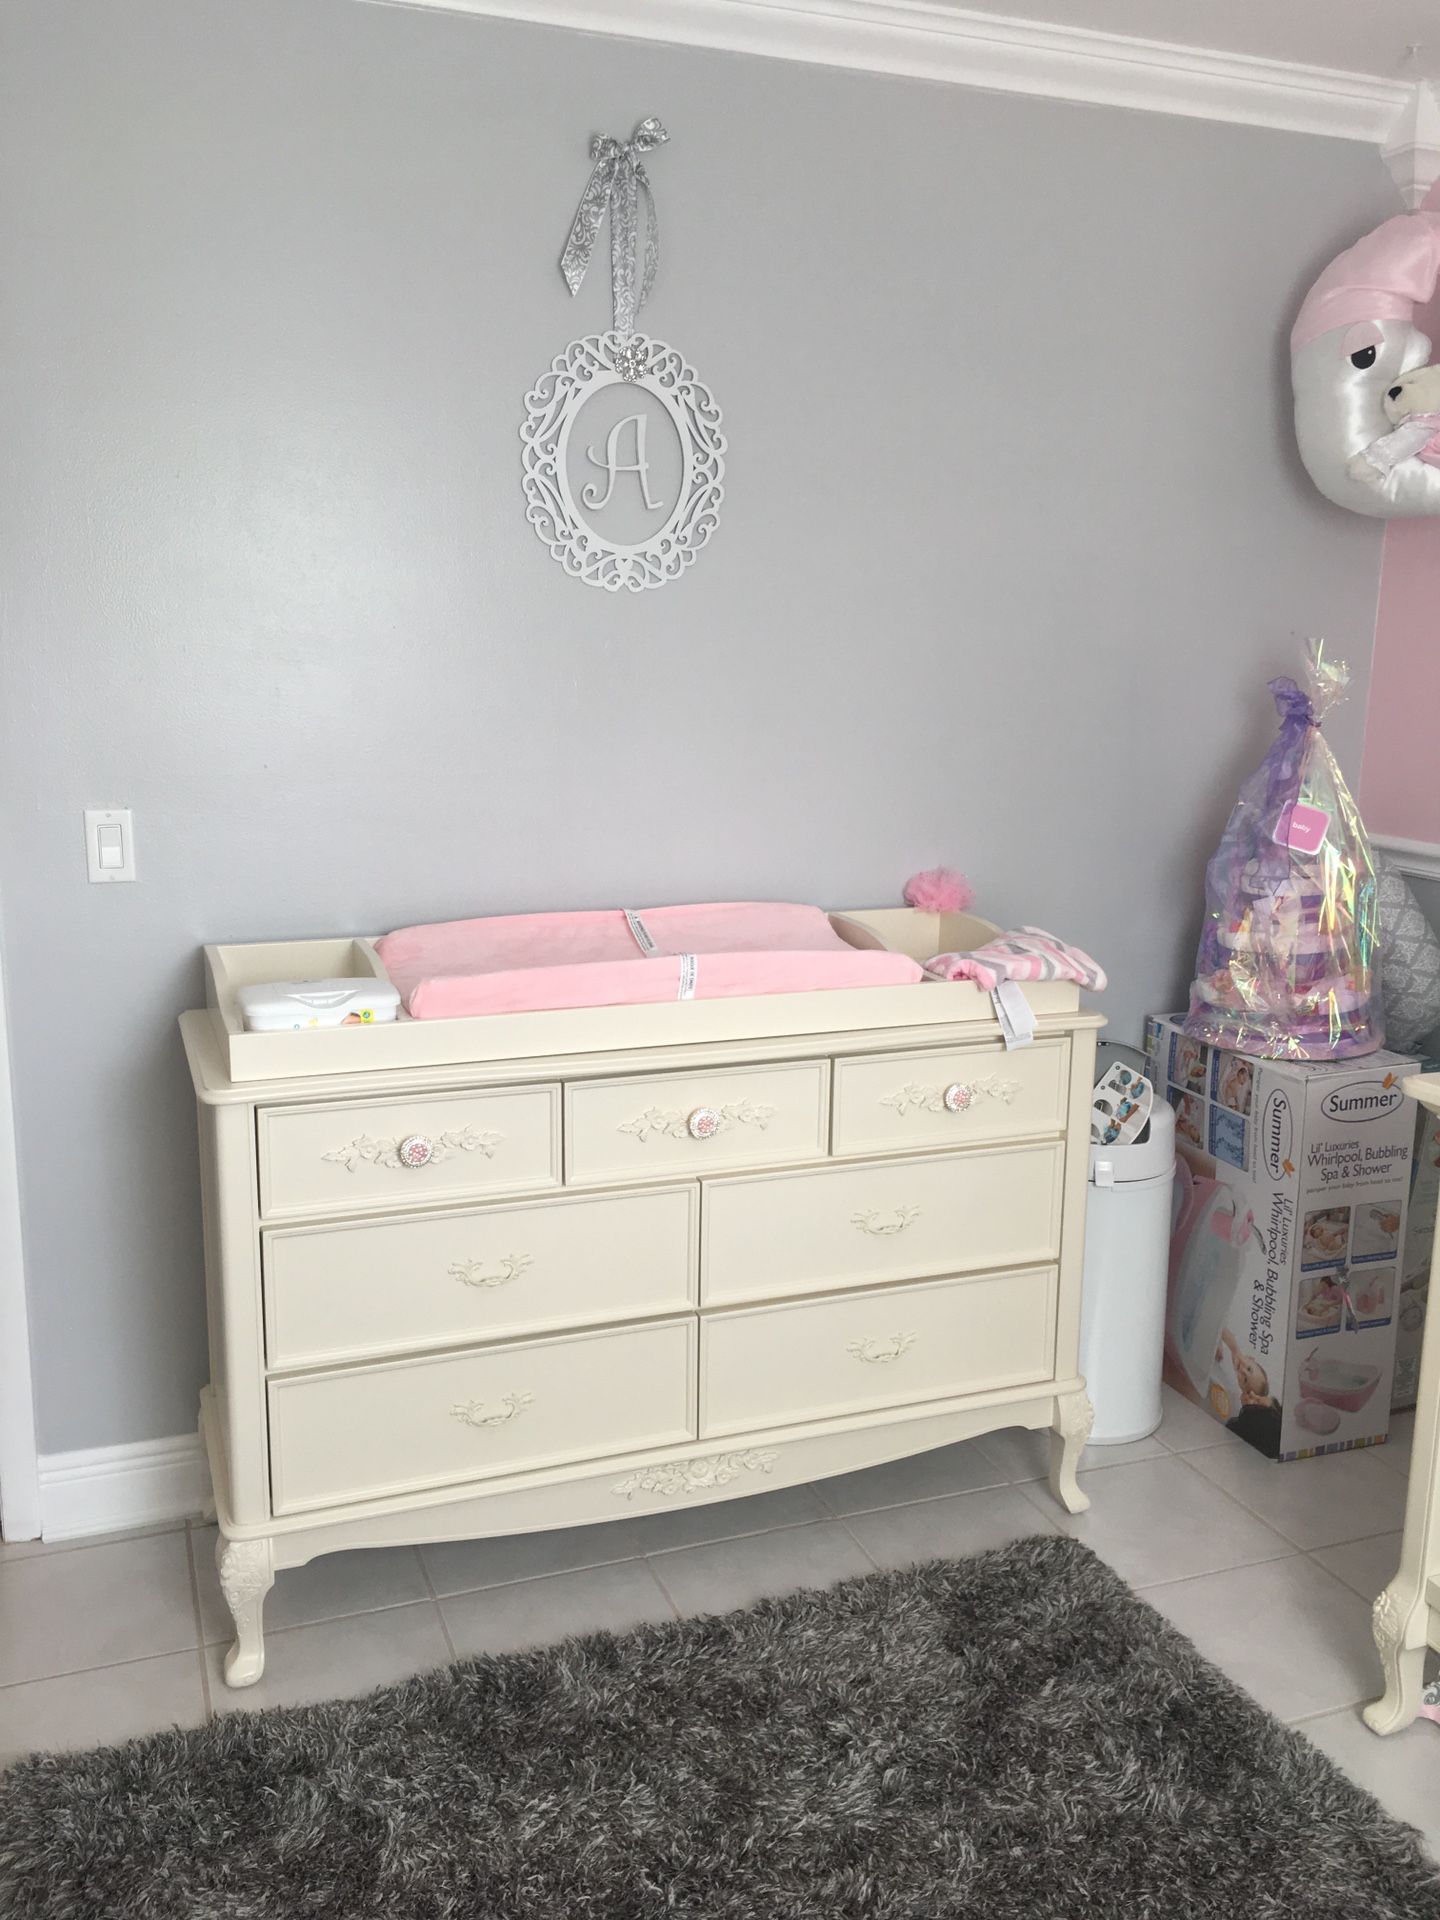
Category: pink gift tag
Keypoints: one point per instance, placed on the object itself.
(1302, 828)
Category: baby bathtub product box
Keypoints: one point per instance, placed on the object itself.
(1292, 1185)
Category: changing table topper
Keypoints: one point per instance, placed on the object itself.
(503, 1272)
(527, 963)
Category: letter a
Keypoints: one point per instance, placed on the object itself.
(613, 465)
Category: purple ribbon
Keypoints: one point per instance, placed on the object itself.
(1283, 762)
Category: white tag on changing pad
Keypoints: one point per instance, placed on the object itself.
(688, 971)
(641, 932)
(1012, 1010)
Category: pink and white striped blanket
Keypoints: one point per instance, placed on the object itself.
(1029, 953)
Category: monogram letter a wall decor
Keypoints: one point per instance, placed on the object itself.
(624, 457)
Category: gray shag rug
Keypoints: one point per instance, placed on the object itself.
(1011, 1735)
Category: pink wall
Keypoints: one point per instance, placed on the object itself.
(1400, 774)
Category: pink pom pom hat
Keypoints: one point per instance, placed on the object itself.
(939, 890)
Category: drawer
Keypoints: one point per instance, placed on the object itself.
(898, 1219)
(371, 1431)
(347, 1157)
(381, 1286)
(952, 1097)
(683, 1123)
(816, 1359)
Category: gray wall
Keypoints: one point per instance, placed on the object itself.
(1014, 536)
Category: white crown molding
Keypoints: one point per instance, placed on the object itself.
(1412, 150)
(104, 1489)
(1420, 859)
(928, 41)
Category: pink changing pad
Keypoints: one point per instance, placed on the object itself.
(540, 962)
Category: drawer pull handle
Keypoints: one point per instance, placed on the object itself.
(471, 1273)
(958, 1097)
(880, 1352)
(873, 1220)
(412, 1149)
(701, 1123)
(473, 1414)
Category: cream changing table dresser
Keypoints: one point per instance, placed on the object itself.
(1407, 1612)
(476, 1277)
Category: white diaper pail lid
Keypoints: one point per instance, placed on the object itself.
(1149, 1157)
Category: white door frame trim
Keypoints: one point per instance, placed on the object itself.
(19, 1466)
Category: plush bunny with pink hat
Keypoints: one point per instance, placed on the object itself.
(1354, 351)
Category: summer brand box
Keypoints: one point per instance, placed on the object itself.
(1292, 1184)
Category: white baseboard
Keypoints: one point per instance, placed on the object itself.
(106, 1489)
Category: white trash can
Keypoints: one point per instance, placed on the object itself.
(1127, 1255)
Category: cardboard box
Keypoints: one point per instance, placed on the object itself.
(1292, 1187)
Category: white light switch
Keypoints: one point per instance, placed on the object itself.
(109, 843)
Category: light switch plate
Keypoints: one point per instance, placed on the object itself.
(109, 843)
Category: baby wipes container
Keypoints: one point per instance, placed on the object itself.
(1122, 1312)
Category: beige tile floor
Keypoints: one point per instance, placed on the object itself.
(1270, 1570)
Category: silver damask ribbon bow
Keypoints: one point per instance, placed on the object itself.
(617, 181)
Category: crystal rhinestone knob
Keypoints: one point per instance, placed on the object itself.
(703, 1123)
(958, 1097)
(632, 360)
(415, 1150)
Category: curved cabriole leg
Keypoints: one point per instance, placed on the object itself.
(1404, 1666)
(1074, 1417)
(247, 1572)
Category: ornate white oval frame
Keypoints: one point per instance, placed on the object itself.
(586, 366)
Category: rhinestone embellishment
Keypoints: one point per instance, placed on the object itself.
(704, 1123)
(415, 1151)
(958, 1097)
(632, 360)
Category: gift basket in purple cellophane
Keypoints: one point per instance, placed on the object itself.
(1287, 965)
